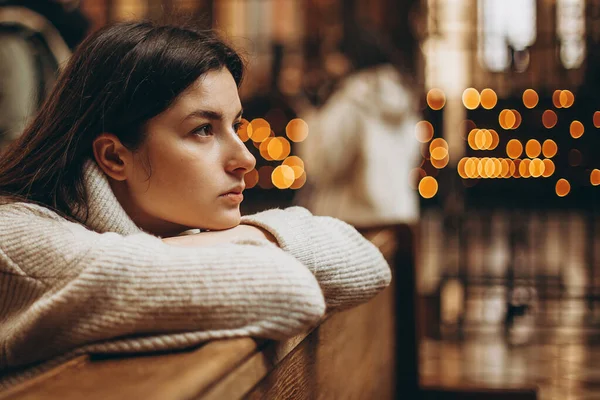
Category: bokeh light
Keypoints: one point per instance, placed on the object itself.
(428, 187)
(563, 187)
(524, 168)
(297, 130)
(264, 177)
(576, 129)
(243, 130)
(471, 98)
(516, 173)
(530, 98)
(440, 163)
(489, 99)
(549, 119)
(264, 149)
(595, 177)
(438, 142)
(471, 139)
(424, 131)
(283, 176)
(297, 165)
(514, 148)
(566, 98)
(596, 119)
(533, 148)
(536, 167)
(460, 168)
(549, 148)
(259, 130)
(548, 168)
(251, 179)
(518, 119)
(556, 99)
(436, 99)
(471, 167)
(495, 139)
(299, 182)
(507, 119)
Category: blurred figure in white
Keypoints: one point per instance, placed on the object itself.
(361, 144)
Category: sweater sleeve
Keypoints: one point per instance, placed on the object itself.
(349, 268)
(64, 286)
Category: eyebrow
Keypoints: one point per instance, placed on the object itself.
(208, 114)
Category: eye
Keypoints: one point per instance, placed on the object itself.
(237, 126)
(204, 130)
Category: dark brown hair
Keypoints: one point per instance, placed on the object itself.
(118, 78)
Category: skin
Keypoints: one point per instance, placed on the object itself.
(188, 160)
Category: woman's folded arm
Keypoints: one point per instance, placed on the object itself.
(349, 268)
(66, 286)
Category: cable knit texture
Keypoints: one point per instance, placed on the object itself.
(105, 286)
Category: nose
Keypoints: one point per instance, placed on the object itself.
(240, 160)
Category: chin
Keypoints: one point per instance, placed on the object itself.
(226, 220)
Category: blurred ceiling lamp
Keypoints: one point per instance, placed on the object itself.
(428, 187)
(424, 131)
(471, 98)
(504, 23)
(530, 98)
(489, 99)
(436, 99)
(570, 29)
(563, 187)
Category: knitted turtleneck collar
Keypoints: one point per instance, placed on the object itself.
(105, 212)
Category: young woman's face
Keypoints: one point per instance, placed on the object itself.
(197, 161)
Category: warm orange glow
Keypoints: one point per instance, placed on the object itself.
(438, 142)
(299, 182)
(259, 130)
(488, 99)
(297, 165)
(283, 176)
(518, 119)
(471, 139)
(504, 168)
(549, 148)
(424, 131)
(439, 153)
(480, 139)
(514, 148)
(566, 98)
(595, 177)
(440, 163)
(297, 130)
(264, 177)
(471, 98)
(511, 168)
(251, 179)
(548, 168)
(515, 172)
(489, 168)
(596, 119)
(549, 119)
(524, 168)
(530, 98)
(563, 187)
(576, 129)
(460, 168)
(480, 163)
(495, 139)
(497, 168)
(436, 99)
(264, 149)
(243, 130)
(533, 148)
(471, 167)
(536, 167)
(556, 98)
(507, 119)
(428, 187)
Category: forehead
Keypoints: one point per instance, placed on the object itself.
(214, 91)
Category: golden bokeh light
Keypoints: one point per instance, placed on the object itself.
(264, 177)
(251, 179)
(489, 99)
(297, 130)
(424, 131)
(549, 148)
(495, 139)
(471, 139)
(518, 119)
(576, 129)
(428, 187)
(259, 130)
(438, 142)
(471, 168)
(504, 168)
(549, 119)
(436, 99)
(278, 148)
(515, 171)
(563, 187)
(489, 168)
(566, 98)
(595, 177)
(243, 130)
(524, 168)
(530, 98)
(283, 176)
(471, 98)
(536, 167)
(497, 168)
(507, 119)
(514, 148)
(440, 163)
(299, 182)
(596, 119)
(533, 148)
(439, 153)
(480, 164)
(480, 139)
(264, 149)
(511, 167)
(297, 165)
(548, 168)
(460, 168)
(556, 98)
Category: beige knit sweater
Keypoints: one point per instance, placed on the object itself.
(108, 287)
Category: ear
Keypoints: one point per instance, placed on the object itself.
(111, 156)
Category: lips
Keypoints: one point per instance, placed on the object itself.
(234, 191)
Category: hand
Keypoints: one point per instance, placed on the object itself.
(213, 238)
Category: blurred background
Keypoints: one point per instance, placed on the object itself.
(475, 121)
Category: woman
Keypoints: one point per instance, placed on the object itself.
(135, 146)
